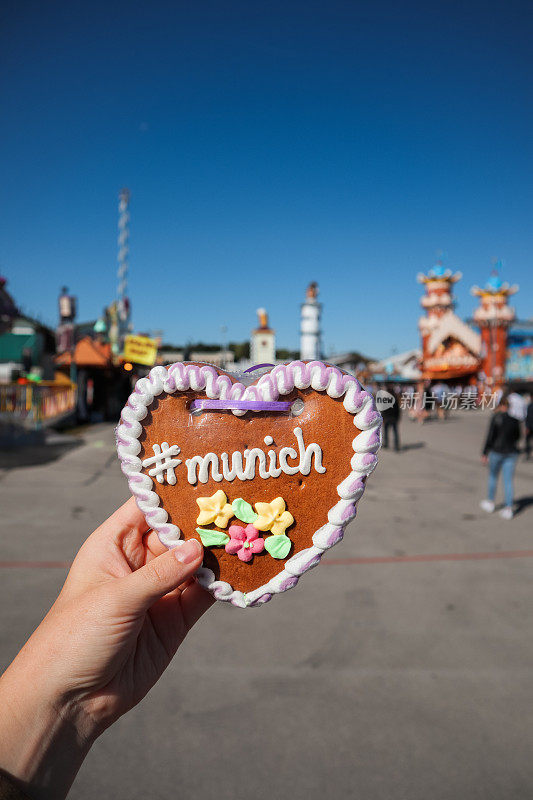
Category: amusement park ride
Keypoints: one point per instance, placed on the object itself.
(451, 348)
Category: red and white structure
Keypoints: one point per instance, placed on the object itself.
(494, 316)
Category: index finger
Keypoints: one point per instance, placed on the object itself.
(128, 517)
(154, 545)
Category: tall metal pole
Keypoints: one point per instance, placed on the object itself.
(123, 305)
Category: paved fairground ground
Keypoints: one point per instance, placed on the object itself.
(400, 668)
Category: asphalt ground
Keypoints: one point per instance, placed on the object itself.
(400, 668)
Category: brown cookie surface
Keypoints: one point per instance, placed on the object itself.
(323, 421)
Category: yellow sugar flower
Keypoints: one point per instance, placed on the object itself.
(273, 517)
(214, 509)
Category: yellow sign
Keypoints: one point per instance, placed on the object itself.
(140, 350)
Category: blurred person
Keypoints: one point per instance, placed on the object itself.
(126, 607)
(472, 391)
(391, 417)
(408, 399)
(425, 402)
(517, 406)
(500, 453)
(497, 395)
(439, 391)
(529, 428)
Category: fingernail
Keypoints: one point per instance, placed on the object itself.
(188, 551)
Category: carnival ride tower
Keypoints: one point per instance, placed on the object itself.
(437, 301)
(310, 333)
(494, 316)
(451, 349)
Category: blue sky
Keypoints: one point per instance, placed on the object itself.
(266, 145)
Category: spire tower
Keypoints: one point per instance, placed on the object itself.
(123, 303)
(310, 333)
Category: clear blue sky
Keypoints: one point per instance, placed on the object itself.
(266, 144)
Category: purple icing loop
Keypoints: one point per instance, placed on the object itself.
(257, 366)
(240, 405)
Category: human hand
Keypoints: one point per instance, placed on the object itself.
(484, 460)
(125, 608)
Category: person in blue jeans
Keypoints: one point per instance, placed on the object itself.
(500, 453)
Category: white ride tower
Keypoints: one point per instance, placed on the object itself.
(310, 333)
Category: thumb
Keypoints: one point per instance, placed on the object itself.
(161, 575)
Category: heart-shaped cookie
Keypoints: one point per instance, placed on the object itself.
(266, 492)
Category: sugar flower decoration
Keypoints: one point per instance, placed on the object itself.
(273, 517)
(214, 509)
(244, 542)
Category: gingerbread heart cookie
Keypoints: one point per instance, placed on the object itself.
(267, 475)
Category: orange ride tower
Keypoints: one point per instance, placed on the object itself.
(494, 316)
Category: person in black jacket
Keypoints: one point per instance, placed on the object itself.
(529, 429)
(500, 452)
(391, 417)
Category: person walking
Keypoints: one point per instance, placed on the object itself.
(391, 417)
(500, 453)
(529, 428)
(439, 391)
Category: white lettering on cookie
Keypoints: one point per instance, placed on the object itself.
(236, 470)
(284, 454)
(163, 463)
(306, 454)
(243, 465)
(202, 464)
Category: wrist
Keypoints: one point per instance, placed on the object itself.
(41, 747)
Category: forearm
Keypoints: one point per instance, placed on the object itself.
(40, 747)
(100, 649)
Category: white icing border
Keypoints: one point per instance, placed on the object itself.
(281, 380)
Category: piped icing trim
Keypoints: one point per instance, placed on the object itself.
(281, 380)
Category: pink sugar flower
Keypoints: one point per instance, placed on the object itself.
(244, 542)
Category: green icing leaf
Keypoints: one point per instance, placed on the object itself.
(243, 510)
(278, 546)
(212, 538)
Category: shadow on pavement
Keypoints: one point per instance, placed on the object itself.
(412, 446)
(34, 455)
(522, 503)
